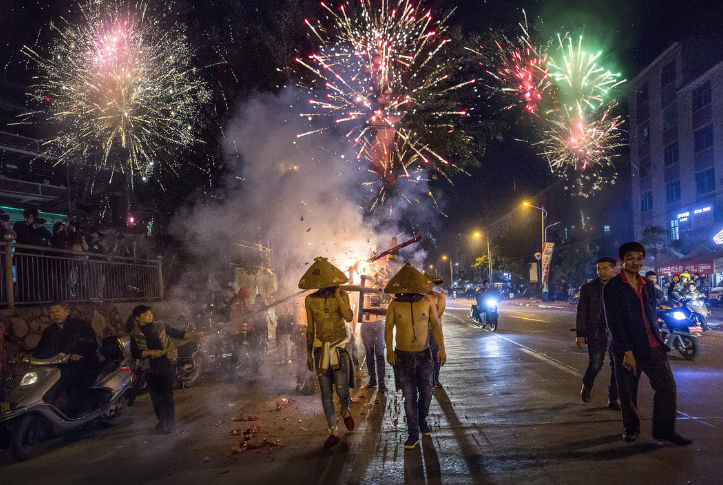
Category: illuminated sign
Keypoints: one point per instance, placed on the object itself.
(700, 211)
(684, 214)
(683, 219)
(718, 238)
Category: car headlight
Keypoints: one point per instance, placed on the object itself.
(679, 316)
(29, 379)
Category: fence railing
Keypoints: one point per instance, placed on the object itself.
(32, 275)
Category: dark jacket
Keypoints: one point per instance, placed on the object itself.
(590, 321)
(76, 337)
(624, 317)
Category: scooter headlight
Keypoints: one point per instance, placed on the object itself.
(29, 379)
(679, 316)
(490, 302)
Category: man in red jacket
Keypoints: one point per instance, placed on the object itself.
(631, 315)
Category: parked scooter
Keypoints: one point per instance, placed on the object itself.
(31, 420)
(679, 330)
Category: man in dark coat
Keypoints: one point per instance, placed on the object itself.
(592, 328)
(76, 338)
(630, 312)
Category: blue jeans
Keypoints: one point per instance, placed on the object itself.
(435, 349)
(597, 348)
(338, 378)
(415, 372)
(372, 334)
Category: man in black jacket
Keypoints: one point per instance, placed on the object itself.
(630, 311)
(592, 328)
(76, 338)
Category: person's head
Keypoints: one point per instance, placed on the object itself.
(142, 314)
(676, 278)
(606, 268)
(696, 276)
(30, 215)
(632, 255)
(485, 284)
(651, 275)
(94, 236)
(684, 277)
(58, 312)
(229, 292)
(691, 286)
(58, 227)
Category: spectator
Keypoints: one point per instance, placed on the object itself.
(285, 323)
(60, 239)
(5, 226)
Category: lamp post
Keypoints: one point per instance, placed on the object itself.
(489, 255)
(451, 272)
(543, 213)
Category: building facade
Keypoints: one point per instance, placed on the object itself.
(676, 145)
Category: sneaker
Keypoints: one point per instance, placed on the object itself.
(331, 441)
(630, 436)
(585, 394)
(411, 443)
(425, 429)
(614, 405)
(349, 423)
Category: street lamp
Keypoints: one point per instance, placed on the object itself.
(543, 212)
(451, 272)
(489, 256)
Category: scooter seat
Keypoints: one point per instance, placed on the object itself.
(107, 367)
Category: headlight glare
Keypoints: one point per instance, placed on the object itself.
(679, 316)
(29, 379)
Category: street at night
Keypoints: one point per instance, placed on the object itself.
(509, 412)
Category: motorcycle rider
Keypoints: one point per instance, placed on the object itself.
(483, 292)
(674, 288)
(152, 347)
(76, 338)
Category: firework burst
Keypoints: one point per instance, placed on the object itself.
(388, 76)
(583, 83)
(121, 90)
(518, 70)
(581, 150)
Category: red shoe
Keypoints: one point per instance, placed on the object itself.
(349, 423)
(331, 441)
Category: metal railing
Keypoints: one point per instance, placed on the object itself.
(32, 275)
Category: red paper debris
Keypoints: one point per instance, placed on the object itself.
(284, 403)
(309, 229)
(245, 418)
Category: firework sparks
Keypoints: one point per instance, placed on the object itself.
(583, 83)
(121, 90)
(388, 77)
(581, 150)
(518, 70)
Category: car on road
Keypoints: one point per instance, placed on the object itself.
(715, 296)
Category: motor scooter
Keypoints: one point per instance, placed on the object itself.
(487, 315)
(30, 419)
(699, 311)
(679, 330)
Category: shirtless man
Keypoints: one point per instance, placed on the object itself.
(440, 302)
(413, 313)
(327, 341)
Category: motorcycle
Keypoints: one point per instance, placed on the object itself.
(699, 312)
(488, 315)
(189, 364)
(680, 330)
(29, 419)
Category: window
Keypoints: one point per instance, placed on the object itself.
(645, 165)
(701, 96)
(667, 74)
(672, 192)
(670, 116)
(646, 202)
(606, 228)
(703, 138)
(705, 181)
(674, 230)
(643, 134)
(641, 96)
(670, 154)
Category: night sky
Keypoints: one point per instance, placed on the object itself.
(631, 34)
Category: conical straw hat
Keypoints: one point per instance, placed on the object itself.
(322, 274)
(407, 280)
(434, 279)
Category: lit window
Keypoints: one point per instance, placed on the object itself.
(643, 134)
(674, 230)
(606, 228)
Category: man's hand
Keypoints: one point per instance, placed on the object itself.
(391, 358)
(629, 361)
(75, 357)
(580, 341)
(310, 362)
(442, 356)
(154, 354)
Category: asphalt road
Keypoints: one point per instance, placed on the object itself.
(510, 412)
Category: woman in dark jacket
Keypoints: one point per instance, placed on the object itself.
(151, 345)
